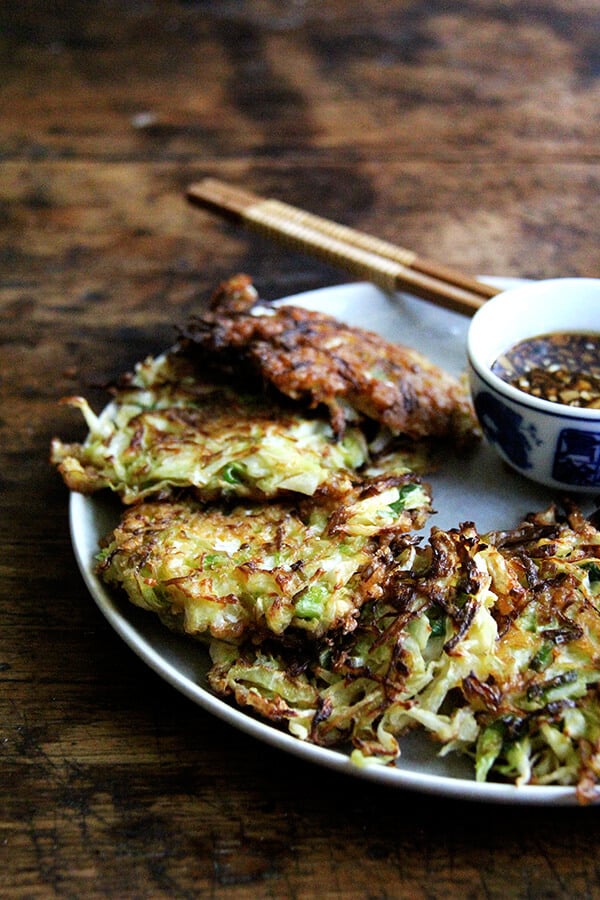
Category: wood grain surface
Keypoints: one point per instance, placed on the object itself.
(467, 132)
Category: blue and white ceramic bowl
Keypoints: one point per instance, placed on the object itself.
(551, 443)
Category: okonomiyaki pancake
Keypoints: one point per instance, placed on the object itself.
(260, 569)
(170, 427)
(313, 357)
(489, 642)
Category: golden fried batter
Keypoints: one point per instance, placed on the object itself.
(488, 642)
(261, 568)
(312, 357)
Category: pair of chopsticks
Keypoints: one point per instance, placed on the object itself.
(391, 267)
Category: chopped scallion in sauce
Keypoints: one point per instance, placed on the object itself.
(563, 367)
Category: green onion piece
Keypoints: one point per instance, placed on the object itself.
(558, 688)
(437, 621)
(233, 473)
(593, 571)
(542, 658)
(489, 747)
(310, 604)
(405, 492)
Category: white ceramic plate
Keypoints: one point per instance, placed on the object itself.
(480, 489)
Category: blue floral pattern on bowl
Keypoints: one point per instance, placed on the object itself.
(577, 458)
(504, 427)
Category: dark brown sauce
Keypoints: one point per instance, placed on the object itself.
(563, 367)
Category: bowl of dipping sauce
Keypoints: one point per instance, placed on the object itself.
(534, 369)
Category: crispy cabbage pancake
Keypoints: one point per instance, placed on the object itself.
(274, 524)
(312, 357)
(264, 568)
(170, 428)
(491, 643)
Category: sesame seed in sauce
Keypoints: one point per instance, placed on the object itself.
(563, 367)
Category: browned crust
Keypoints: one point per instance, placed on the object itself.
(313, 358)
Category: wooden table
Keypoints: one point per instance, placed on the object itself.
(468, 132)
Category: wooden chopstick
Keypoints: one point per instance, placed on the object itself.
(386, 264)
